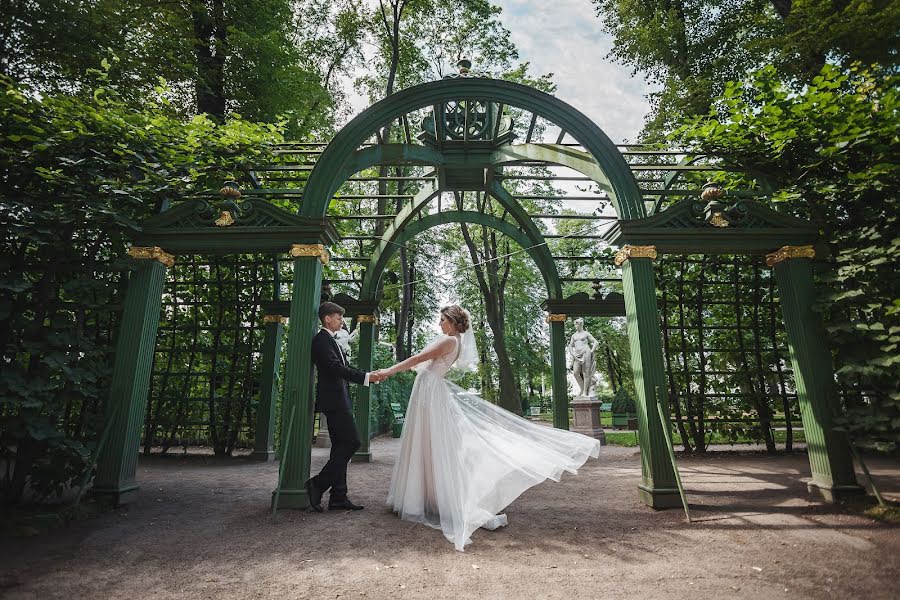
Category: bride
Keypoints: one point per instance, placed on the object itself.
(462, 459)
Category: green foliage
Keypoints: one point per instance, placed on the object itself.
(77, 176)
(622, 402)
(831, 151)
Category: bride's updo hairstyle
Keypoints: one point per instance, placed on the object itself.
(457, 316)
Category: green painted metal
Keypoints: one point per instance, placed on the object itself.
(397, 238)
(572, 158)
(662, 412)
(286, 446)
(329, 171)
(753, 228)
(829, 452)
(264, 442)
(190, 228)
(362, 408)
(117, 462)
(298, 382)
(658, 487)
(560, 380)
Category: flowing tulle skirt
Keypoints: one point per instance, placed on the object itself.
(462, 459)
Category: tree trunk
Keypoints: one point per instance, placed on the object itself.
(210, 41)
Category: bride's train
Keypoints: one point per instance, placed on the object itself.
(462, 459)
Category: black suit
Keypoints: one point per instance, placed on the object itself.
(333, 399)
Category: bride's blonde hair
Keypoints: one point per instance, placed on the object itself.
(457, 316)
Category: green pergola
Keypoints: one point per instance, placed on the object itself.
(467, 144)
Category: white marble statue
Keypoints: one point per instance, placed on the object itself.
(344, 338)
(582, 348)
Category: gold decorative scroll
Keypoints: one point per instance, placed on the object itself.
(298, 250)
(628, 251)
(275, 319)
(366, 319)
(557, 318)
(230, 192)
(151, 253)
(786, 252)
(225, 219)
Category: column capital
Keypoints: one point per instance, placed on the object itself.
(151, 253)
(298, 250)
(275, 319)
(366, 318)
(788, 252)
(557, 318)
(628, 251)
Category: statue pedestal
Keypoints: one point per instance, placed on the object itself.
(323, 440)
(586, 412)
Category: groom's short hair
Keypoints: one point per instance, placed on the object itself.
(329, 308)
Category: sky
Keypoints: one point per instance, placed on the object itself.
(564, 37)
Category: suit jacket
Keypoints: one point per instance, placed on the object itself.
(333, 390)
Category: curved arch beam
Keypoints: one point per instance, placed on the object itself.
(389, 247)
(327, 173)
(563, 156)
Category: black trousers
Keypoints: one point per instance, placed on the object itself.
(344, 442)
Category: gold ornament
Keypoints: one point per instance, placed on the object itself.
(298, 250)
(786, 252)
(711, 192)
(151, 253)
(230, 192)
(718, 220)
(557, 318)
(225, 219)
(628, 251)
(366, 319)
(275, 319)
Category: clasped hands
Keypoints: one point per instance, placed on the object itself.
(379, 375)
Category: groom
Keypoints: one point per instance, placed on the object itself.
(333, 400)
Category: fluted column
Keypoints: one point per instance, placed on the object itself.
(264, 441)
(117, 463)
(296, 436)
(558, 370)
(362, 409)
(829, 452)
(658, 488)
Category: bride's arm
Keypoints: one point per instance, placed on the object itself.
(435, 350)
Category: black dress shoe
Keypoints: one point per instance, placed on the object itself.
(344, 504)
(315, 496)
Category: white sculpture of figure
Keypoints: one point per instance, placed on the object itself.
(582, 347)
(344, 338)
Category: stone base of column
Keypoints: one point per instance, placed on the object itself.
(659, 498)
(362, 457)
(115, 496)
(292, 499)
(263, 455)
(323, 439)
(832, 493)
(586, 418)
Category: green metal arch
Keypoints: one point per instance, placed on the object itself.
(327, 175)
(393, 239)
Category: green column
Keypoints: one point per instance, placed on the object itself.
(558, 368)
(658, 488)
(296, 441)
(829, 451)
(362, 408)
(264, 442)
(136, 342)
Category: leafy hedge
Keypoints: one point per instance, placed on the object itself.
(830, 151)
(78, 174)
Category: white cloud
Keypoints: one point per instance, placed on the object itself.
(565, 38)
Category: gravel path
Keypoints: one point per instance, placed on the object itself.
(201, 528)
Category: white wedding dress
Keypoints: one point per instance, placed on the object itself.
(462, 459)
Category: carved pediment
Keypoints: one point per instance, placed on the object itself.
(230, 226)
(691, 226)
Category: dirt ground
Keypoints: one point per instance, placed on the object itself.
(201, 528)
